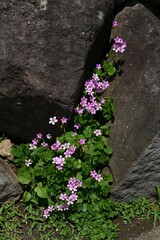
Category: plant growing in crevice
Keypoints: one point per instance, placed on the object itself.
(66, 177)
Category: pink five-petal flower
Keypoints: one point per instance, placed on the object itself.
(64, 120)
(82, 141)
(97, 132)
(98, 66)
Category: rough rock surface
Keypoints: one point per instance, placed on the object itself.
(135, 135)
(152, 235)
(5, 148)
(47, 50)
(9, 186)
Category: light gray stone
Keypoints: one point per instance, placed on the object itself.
(151, 235)
(10, 188)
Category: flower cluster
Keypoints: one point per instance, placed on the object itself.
(39, 139)
(54, 120)
(59, 161)
(48, 211)
(61, 151)
(95, 85)
(119, 45)
(95, 175)
(90, 102)
(68, 200)
(73, 184)
(68, 152)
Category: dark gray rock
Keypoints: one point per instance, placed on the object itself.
(135, 135)
(143, 175)
(47, 51)
(152, 2)
(9, 187)
(121, 2)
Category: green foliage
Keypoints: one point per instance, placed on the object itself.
(44, 183)
(66, 177)
(91, 214)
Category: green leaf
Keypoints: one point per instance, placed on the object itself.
(77, 164)
(2, 219)
(41, 191)
(109, 68)
(87, 132)
(84, 207)
(26, 196)
(16, 152)
(100, 145)
(24, 177)
(80, 200)
(111, 71)
(79, 176)
(38, 170)
(108, 150)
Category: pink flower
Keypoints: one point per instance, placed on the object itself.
(82, 141)
(44, 144)
(39, 135)
(77, 126)
(102, 100)
(63, 197)
(95, 175)
(56, 146)
(64, 120)
(73, 184)
(46, 213)
(72, 198)
(67, 153)
(97, 132)
(79, 110)
(98, 66)
(62, 207)
(114, 24)
(35, 141)
(119, 45)
(48, 136)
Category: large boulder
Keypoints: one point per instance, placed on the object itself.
(135, 133)
(9, 187)
(47, 51)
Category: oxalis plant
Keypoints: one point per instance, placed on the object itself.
(66, 176)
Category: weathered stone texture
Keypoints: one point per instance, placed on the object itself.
(135, 133)
(47, 50)
(9, 187)
(5, 148)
